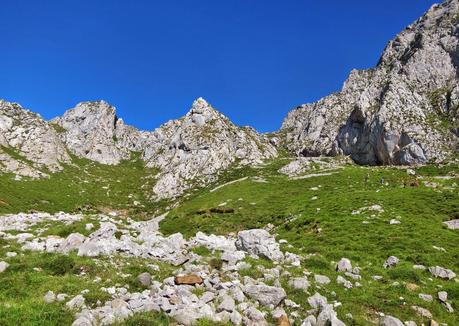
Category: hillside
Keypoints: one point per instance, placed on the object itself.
(348, 215)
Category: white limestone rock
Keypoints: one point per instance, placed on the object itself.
(391, 114)
(29, 146)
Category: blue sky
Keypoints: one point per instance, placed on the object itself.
(252, 60)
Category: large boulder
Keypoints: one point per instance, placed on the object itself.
(269, 296)
(259, 242)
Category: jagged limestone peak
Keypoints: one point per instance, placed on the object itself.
(403, 111)
(202, 112)
(92, 130)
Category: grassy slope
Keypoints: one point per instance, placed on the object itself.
(288, 204)
(84, 185)
(285, 203)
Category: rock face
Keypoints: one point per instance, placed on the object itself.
(29, 146)
(197, 146)
(403, 111)
(93, 131)
(188, 152)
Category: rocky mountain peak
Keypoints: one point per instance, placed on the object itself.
(403, 111)
(29, 146)
(92, 130)
(199, 146)
(202, 112)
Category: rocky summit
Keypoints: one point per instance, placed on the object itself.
(348, 215)
(404, 111)
(188, 152)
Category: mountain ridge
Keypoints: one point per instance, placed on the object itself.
(404, 111)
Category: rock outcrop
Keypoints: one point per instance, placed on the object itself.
(194, 148)
(93, 131)
(188, 152)
(29, 146)
(403, 111)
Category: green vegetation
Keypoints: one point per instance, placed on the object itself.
(83, 186)
(58, 128)
(315, 215)
(11, 152)
(32, 274)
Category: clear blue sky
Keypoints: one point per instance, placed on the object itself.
(253, 60)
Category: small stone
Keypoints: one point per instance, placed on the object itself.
(277, 313)
(410, 323)
(419, 267)
(344, 265)
(343, 281)
(412, 287)
(3, 266)
(49, 297)
(317, 301)
(283, 321)
(426, 297)
(442, 273)
(299, 283)
(391, 261)
(321, 279)
(144, 279)
(390, 321)
(269, 296)
(76, 303)
(227, 304)
(422, 312)
(61, 297)
(443, 296)
(11, 254)
(188, 280)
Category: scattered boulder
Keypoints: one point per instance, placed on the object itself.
(283, 321)
(227, 304)
(76, 302)
(259, 242)
(317, 301)
(443, 296)
(254, 317)
(144, 279)
(269, 296)
(299, 283)
(3, 266)
(341, 280)
(452, 225)
(188, 280)
(321, 279)
(422, 312)
(390, 321)
(344, 265)
(49, 297)
(391, 262)
(426, 297)
(441, 272)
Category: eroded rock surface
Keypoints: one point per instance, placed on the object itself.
(29, 146)
(197, 146)
(393, 113)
